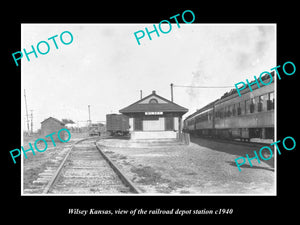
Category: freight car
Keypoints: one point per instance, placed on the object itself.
(237, 117)
(117, 124)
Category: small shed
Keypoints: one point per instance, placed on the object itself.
(51, 125)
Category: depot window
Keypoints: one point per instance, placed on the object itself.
(153, 101)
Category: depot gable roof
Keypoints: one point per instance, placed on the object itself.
(153, 103)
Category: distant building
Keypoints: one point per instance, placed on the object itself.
(51, 125)
(154, 117)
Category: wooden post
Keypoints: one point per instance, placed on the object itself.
(171, 91)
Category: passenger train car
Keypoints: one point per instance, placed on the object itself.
(250, 115)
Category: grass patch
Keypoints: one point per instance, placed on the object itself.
(148, 176)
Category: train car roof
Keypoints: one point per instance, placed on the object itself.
(208, 106)
(231, 94)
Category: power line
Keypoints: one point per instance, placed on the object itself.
(202, 86)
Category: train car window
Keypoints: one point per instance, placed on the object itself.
(233, 110)
(243, 108)
(247, 106)
(265, 98)
(260, 103)
(256, 101)
(252, 108)
(201, 118)
(270, 101)
(239, 110)
(252, 105)
(229, 110)
(220, 113)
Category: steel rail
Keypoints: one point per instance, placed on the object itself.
(118, 171)
(55, 175)
(121, 176)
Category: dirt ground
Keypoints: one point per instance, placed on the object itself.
(203, 167)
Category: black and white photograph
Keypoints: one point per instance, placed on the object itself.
(141, 109)
(138, 112)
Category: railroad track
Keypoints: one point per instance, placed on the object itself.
(86, 170)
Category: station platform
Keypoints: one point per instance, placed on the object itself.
(137, 135)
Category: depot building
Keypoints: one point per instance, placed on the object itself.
(154, 117)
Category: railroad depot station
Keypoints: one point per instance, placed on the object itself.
(154, 117)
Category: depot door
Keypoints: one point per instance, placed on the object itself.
(169, 123)
(138, 124)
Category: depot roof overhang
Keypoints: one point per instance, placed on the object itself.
(153, 108)
(167, 106)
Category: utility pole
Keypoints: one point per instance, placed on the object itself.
(171, 91)
(31, 122)
(26, 113)
(89, 121)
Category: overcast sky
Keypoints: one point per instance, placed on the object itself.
(105, 67)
